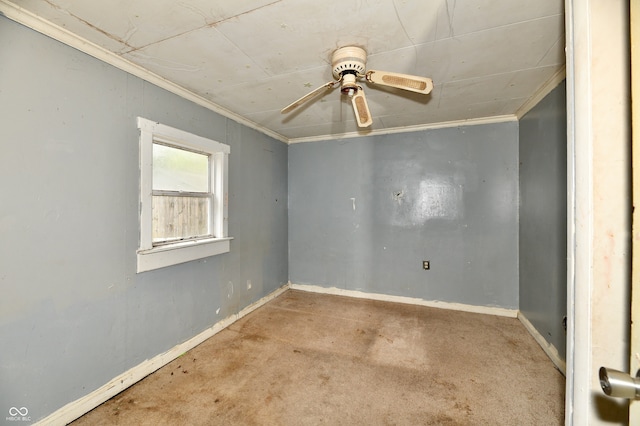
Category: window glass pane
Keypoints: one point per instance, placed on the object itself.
(176, 217)
(175, 169)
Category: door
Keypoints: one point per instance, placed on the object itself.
(613, 382)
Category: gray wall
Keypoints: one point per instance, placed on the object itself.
(543, 217)
(365, 212)
(73, 312)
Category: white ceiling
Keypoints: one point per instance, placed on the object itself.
(487, 58)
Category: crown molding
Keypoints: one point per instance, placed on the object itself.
(406, 129)
(542, 91)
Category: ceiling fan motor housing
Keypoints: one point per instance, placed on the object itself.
(348, 59)
(347, 64)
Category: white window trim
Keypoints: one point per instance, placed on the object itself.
(150, 257)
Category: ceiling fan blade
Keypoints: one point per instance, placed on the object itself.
(412, 83)
(328, 86)
(359, 102)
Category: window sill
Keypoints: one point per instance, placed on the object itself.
(172, 254)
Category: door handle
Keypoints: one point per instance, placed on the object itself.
(617, 384)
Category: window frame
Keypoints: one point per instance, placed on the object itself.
(150, 256)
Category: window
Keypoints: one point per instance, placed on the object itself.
(183, 196)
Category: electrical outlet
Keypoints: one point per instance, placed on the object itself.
(425, 265)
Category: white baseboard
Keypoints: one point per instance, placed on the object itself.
(547, 347)
(81, 406)
(490, 310)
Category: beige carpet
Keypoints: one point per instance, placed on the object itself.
(310, 359)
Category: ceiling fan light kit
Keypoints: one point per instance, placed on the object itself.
(348, 65)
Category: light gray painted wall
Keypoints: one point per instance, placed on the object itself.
(543, 217)
(73, 312)
(365, 212)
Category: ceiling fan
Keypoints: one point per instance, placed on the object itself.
(348, 65)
